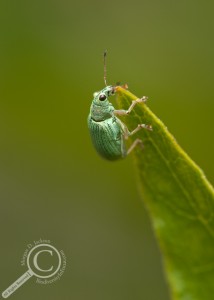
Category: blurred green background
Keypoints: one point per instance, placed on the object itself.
(53, 184)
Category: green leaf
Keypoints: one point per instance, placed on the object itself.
(180, 201)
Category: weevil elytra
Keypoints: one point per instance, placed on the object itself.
(108, 132)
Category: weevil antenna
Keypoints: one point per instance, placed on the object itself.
(104, 57)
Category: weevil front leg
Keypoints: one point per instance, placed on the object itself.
(122, 112)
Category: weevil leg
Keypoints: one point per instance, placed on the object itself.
(134, 144)
(127, 134)
(139, 127)
(122, 112)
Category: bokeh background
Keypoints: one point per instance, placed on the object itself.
(53, 184)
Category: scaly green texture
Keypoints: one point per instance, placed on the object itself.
(181, 205)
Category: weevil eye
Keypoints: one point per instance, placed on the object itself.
(102, 97)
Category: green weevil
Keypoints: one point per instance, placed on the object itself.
(108, 132)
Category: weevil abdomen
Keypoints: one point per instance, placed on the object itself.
(107, 138)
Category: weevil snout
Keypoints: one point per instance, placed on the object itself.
(111, 90)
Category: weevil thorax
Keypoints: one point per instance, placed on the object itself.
(101, 108)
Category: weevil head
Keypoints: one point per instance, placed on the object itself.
(101, 108)
(101, 97)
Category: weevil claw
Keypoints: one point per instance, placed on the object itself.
(148, 127)
(144, 98)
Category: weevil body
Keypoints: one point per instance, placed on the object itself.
(108, 132)
(105, 128)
